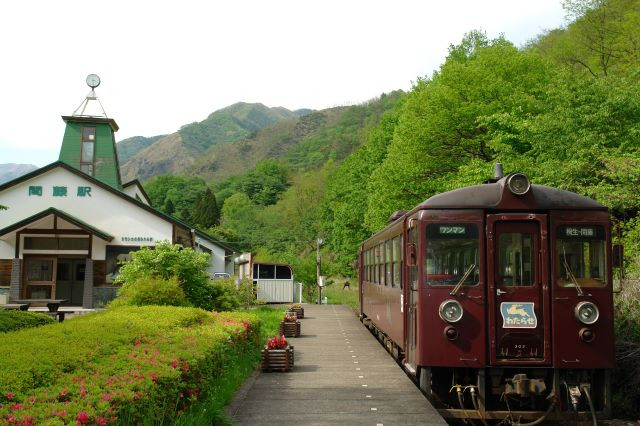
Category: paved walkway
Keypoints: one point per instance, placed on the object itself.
(342, 375)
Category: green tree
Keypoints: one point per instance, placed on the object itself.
(205, 212)
(169, 208)
(165, 261)
(463, 113)
(180, 190)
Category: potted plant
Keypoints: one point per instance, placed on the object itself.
(298, 309)
(277, 355)
(290, 326)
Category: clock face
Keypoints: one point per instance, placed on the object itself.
(93, 80)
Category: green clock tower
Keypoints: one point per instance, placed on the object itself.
(89, 144)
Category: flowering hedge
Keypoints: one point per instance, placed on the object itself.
(126, 365)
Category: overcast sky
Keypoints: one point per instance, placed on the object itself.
(164, 64)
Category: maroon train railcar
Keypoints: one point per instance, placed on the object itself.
(497, 299)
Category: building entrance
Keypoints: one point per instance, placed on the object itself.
(70, 280)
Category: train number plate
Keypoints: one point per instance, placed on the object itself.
(518, 315)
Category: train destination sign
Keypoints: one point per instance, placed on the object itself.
(451, 230)
(589, 232)
(518, 315)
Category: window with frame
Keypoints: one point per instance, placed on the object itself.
(87, 155)
(395, 264)
(381, 266)
(387, 264)
(452, 254)
(580, 256)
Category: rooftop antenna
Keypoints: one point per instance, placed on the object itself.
(93, 81)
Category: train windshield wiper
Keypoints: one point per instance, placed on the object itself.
(462, 280)
(570, 273)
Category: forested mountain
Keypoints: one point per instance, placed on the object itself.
(175, 152)
(10, 171)
(129, 147)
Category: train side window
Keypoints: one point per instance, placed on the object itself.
(395, 264)
(580, 256)
(516, 262)
(452, 254)
(401, 249)
(381, 265)
(388, 264)
(376, 265)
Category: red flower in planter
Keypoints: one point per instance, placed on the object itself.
(290, 318)
(277, 343)
(82, 418)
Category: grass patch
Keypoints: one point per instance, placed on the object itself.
(337, 295)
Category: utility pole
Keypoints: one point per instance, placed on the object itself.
(319, 242)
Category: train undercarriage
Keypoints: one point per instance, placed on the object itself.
(510, 395)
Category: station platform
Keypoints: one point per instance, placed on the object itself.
(342, 376)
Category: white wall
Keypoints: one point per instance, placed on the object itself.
(103, 210)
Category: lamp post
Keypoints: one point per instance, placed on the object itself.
(319, 242)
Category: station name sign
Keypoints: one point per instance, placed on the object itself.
(59, 191)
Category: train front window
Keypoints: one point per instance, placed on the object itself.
(580, 256)
(452, 254)
(516, 264)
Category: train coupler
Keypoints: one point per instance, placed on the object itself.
(523, 386)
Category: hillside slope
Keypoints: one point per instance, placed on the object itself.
(174, 152)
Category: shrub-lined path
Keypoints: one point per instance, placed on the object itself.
(342, 375)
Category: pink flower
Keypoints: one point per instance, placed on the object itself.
(11, 419)
(106, 397)
(9, 395)
(174, 363)
(83, 391)
(154, 377)
(15, 407)
(101, 421)
(32, 400)
(82, 418)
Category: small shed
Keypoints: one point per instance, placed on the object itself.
(274, 282)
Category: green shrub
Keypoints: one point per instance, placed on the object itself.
(16, 320)
(224, 296)
(151, 291)
(125, 365)
(170, 260)
(626, 375)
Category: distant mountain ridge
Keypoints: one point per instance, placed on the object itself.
(178, 151)
(10, 171)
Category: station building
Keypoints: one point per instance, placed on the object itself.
(68, 224)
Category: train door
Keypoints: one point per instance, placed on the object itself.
(412, 295)
(518, 288)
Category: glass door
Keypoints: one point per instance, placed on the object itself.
(412, 295)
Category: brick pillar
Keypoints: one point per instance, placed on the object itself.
(87, 293)
(15, 288)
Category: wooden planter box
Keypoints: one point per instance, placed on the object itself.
(290, 328)
(277, 359)
(298, 311)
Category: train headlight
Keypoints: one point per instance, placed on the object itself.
(450, 311)
(587, 312)
(518, 184)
